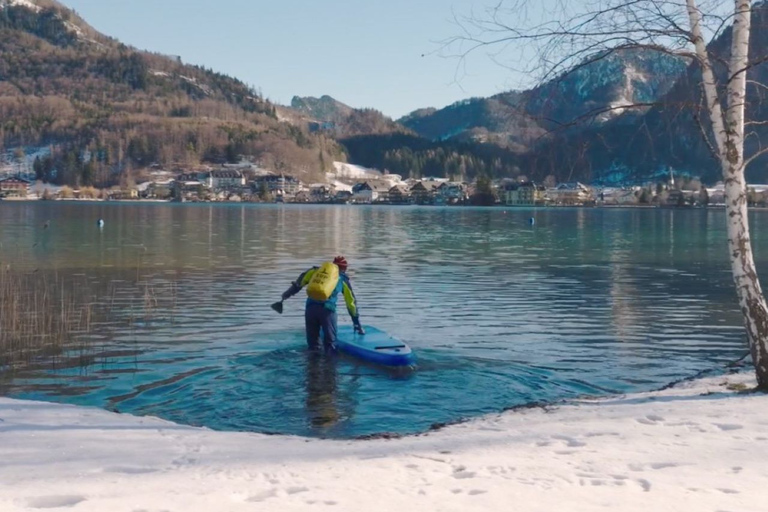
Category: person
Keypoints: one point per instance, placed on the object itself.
(320, 310)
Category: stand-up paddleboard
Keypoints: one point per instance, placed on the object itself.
(374, 346)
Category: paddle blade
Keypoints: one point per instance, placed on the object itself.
(278, 306)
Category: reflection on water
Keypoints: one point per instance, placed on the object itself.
(322, 410)
(500, 312)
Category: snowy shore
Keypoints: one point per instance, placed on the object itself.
(700, 446)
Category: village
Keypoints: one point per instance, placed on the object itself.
(352, 184)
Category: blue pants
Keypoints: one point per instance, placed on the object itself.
(317, 316)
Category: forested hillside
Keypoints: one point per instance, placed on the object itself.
(62, 84)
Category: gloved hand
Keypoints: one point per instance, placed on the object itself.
(358, 328)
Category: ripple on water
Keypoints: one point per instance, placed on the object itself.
(587, 302)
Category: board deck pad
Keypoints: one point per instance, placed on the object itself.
(375, 346)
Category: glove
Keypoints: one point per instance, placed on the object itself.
(358, 328)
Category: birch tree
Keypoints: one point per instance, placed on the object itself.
(553, 37)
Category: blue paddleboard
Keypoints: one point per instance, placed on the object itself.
(374, 346)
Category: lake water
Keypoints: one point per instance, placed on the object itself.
(499, 312)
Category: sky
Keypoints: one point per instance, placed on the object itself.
(368, 54)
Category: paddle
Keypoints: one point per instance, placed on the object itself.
(278, 306)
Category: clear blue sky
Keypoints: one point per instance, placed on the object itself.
(366, 53)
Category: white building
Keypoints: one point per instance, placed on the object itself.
(218, 180)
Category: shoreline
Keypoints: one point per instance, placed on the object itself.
(698, 445)
(450, 206)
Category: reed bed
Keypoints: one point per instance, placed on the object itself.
(40, 315)
(43, 316)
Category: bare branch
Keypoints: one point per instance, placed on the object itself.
(746, 68)
(754, 157)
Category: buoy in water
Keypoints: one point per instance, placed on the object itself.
(100, 223)
(531, 221)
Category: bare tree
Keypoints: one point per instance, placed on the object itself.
(552, 37)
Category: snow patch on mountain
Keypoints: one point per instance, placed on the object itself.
(206, 90)
(626, 98)
(343, 170)
(77, 30)
(20, 3)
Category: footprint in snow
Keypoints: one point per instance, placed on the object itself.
(651, 419)
(54, 501)
(726, 426)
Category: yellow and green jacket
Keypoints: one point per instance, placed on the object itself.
(343, 286)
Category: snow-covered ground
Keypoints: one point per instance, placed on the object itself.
(696, 447)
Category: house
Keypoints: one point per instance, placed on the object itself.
(225, 180)
(526, 193)
(187, 189)
(278, 185)
(452, 192)
(424, 192)
(342, 197)
(192, 176)
(619, 196)
(371, 191)
(321, 193)
(14, 187)
(120, 194)
(678, 197)
(302, 196)
(399, 194)
(573, 193)
(160, 189)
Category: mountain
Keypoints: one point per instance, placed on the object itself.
(668, 137)
(330, 116)
(65, 85)
(496, 120)
(595, 91)
(517, 133)
(518, 119)
(604, 87)
(322, 109)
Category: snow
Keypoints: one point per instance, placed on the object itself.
(10, 165)
(74, 28)
(340, 185)
(20, 3)
(350, 171)
(206, 90)
(699, 446)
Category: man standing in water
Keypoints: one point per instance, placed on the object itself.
(324, 283)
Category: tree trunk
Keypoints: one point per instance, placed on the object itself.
(751, 299)
(728, 129)
(729, 137)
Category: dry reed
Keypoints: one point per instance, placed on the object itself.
(40, 315)
(43, 315)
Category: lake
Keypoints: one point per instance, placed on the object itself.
(500, 312)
